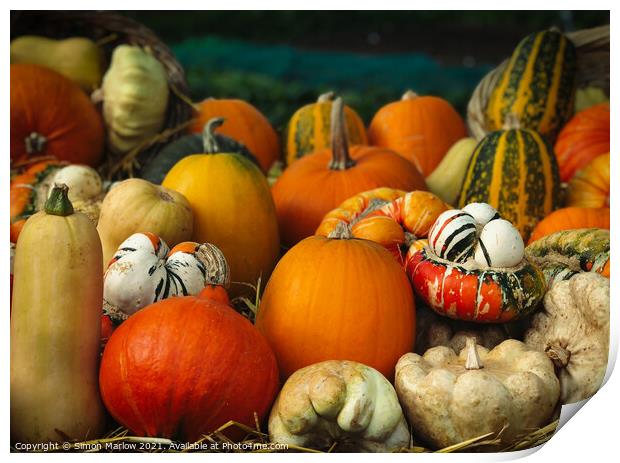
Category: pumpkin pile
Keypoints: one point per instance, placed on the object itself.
(399, 284)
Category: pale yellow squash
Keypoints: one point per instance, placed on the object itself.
(55, 327)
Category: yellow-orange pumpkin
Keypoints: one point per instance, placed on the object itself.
(590, 187)
(419, 128)
(338, 299)
(317, 183)
(571, 218)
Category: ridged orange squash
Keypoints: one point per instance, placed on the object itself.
(570, 218)
(590, 187)
(317, 183)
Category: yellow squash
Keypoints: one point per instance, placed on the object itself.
(233, 209)
(138, 206)
(55, 327)
(77, 58)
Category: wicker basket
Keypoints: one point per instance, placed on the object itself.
(592, 69)
(109, 30)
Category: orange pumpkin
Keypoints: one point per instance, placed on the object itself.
(51, 115)
(419, 128)
(338, 299)
(582, 139)
(185, 366)
(590, 186)
(243, 123)
(317, 183)
(570, 218)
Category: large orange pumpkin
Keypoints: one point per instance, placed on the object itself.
(338, 299)
(185, 366)
(317, 183)
(571, 218)
(243, 123)
(590, 186)
(51, 115)
(420, 128)
(583, 138)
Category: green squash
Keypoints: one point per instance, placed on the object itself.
(208, 142)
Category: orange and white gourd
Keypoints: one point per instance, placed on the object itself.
(145, 270)
(474, 267)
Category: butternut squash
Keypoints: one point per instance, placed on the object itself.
(55, 328)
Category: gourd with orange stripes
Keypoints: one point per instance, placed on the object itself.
(516, 172)
(537, 85)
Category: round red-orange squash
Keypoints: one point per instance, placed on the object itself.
(317, 183)
(243, 123)
(52, 116)
(185, 366)
(583, 138)
(338, 299)
(420, 128)
(570, 218)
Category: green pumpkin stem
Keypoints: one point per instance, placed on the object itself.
(58, 201)
(209, 140)
(341, 160)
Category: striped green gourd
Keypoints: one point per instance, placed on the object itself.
(516, 172)
(537, 85)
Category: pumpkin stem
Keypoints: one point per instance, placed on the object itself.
(473, 361)
(409, 95)
(558, 355)
(326, 97)
(340, 232)
(511, 122)
(215, 293)
(209, 140)
(35, 143)
(341, 160)
(58, 201)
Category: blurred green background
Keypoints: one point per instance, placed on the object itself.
(281, 60)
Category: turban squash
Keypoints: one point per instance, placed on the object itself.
(319, 182)
(419, 128)
(52, 116)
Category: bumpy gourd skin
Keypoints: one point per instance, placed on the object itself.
(446, 403)
(339, 401)
(574, 331)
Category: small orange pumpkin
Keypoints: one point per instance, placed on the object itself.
(184, 366)
(317, 183)
(570, 218)
(51, 115)
(582, 139)
(420, 128)
(338, 299)
(243, 123)
(590, 187)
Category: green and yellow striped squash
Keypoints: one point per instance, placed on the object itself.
(310, 128)
(537, 85)
(516, 172)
